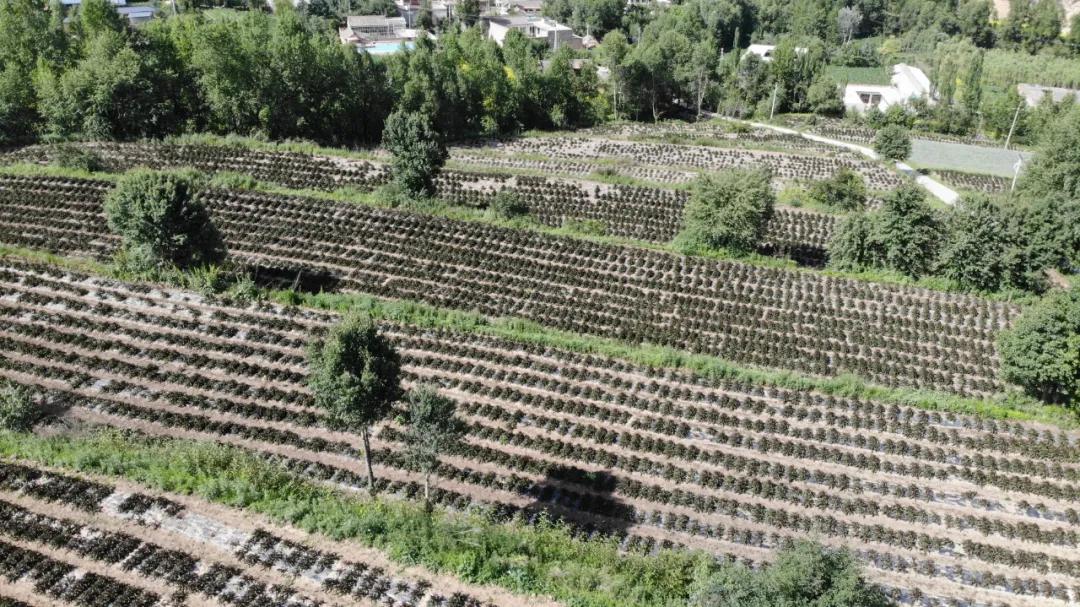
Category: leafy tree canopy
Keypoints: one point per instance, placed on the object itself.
(161, 222)
(1041, 351)
(728, 211)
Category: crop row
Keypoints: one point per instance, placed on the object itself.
(773, 317)
(660, 455)
(192, 575)
(644, 213)
(784, 167)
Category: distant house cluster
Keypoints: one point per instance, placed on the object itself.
(380, 35)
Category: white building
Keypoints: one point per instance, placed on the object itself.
(908, 83)
(1033, 94)
(521, 7)
(137, 14)
(365, 28)
(765, 51)
(410, 11)
(557, 35)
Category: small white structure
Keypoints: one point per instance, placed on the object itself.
(521, 7)
(908, 83)
(765, 51)
(1033, 94)
(409, 10)
(364, 28)
(557, 35)
(137, 14)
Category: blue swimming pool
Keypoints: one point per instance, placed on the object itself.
(388, 48)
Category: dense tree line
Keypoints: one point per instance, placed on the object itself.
(281, 75)
(982, 243)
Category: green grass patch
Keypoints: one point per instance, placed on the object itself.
(841, 74)
(542, 559)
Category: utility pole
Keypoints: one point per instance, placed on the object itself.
(1013, 127)
(773, 109)
(1016, 171)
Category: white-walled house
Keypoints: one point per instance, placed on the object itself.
(556, 34)
(908, 83)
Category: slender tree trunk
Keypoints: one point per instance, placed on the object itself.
(427, 491)
(367, 460)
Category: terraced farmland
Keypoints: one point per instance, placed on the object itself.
(642, 213)
(96, 544)
(938, 505)
(771, 317)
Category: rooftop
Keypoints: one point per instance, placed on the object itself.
(1033, 93)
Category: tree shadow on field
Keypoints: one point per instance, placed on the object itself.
(582, 500)
(297, 279)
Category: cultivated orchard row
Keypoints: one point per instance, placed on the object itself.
(173, 553)
(953, 506)
(643, 213)
(773, 317)
(715, 134)
(785, 168)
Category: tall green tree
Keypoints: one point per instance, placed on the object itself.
(355, 375)
(1056, 167)
(728, 211)
(418, 151)
(161, 221)
(28, 34)
(973, 87)
(1041, 351)
(908, 231)
(468, 11)
(974, 17)
(612, 53)
(433, 431)
(974, 255)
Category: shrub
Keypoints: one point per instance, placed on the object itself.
(845, 191)
(728, 211)
(73, 157)
(17, 411)
(418, 150)
(161, 222)
(825, 97)
(507, 205)
(852, 247)
(806, 574)
(893, 142)
(1041, 351)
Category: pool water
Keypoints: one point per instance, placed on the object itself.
(388, 48)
